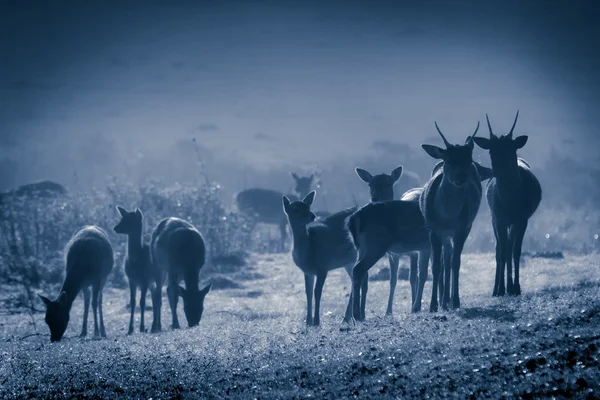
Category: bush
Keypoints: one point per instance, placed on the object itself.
(34, 230)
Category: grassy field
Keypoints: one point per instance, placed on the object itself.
(252, 342)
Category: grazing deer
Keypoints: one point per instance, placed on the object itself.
(265, 204)
(513, 194)
(449, 203)
(177, 248)
(138, 266)
(89, 260)
(382, 189)
(318, 248)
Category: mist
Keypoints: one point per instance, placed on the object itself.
(103, 89)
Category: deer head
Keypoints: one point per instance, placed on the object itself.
(57, 315)
(298, 212)
(458, 159)
(193, 303)
(303, 184)
(130, 223)
(503, 149)
(381, 186)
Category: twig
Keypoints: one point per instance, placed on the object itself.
(30, 335)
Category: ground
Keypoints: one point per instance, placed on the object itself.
(253, 343)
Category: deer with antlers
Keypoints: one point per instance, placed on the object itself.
(449, 203)
(513, 194)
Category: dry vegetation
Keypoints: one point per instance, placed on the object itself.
(252, 341)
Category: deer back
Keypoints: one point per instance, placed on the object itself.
(264, 204)
(88, 256)
(178, 247)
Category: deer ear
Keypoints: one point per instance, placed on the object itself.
(45, 300)
(364, 175)
(482, 142)
(286, 203)
(397, 173)
(312, 177)
(121, 211)
(206, 289)
(138, 212)
(520, 141)
(434, 151)
(180, 291)
(296, 177)
(308, 200)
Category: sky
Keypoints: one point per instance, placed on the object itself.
(95, 86)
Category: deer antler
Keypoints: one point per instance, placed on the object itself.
(513, 127)
(492, 136)
(474, 133)
(442, 135)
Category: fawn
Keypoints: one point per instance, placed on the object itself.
(139, 269)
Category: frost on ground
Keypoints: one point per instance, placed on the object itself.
(252, 342)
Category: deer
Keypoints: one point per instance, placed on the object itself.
(381, 188)
(264, 204)
(317, 248)
(177, 248)
(513, 195)
(88, 260)
(449, 203)
(139, 269)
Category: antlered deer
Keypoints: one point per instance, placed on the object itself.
(89, 260)
(265, 204)
(318, 248)
(513, 194)
(139, 268)
(177, 248)
(449, 203)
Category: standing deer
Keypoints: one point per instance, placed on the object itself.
(318, 248)
(265, 204)
(395, 226)
(177, 248)
(449, 203)
(382, 189)
(89, 260)
(138, 266)
(513, 194)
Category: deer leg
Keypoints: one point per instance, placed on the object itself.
(393, 260)
(95, 298)
(101, 313)
(318, 293)
(457, 248)
(423, 264)
(501, 239)
(348, 316)
(447, 264)
(518, 246)
(363, 295)
(414, 277)
(436, 266)
(173, 299)
(359, 273)
(132, 288)
(86, 309)
(309, 283)
(156, 306)
(508, 257)
(143, 291)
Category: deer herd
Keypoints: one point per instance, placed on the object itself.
(429, 222)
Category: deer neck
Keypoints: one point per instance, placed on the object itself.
(301, 243)
(134, 245)
(190, 277)
(508, 181)
(71, 286)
